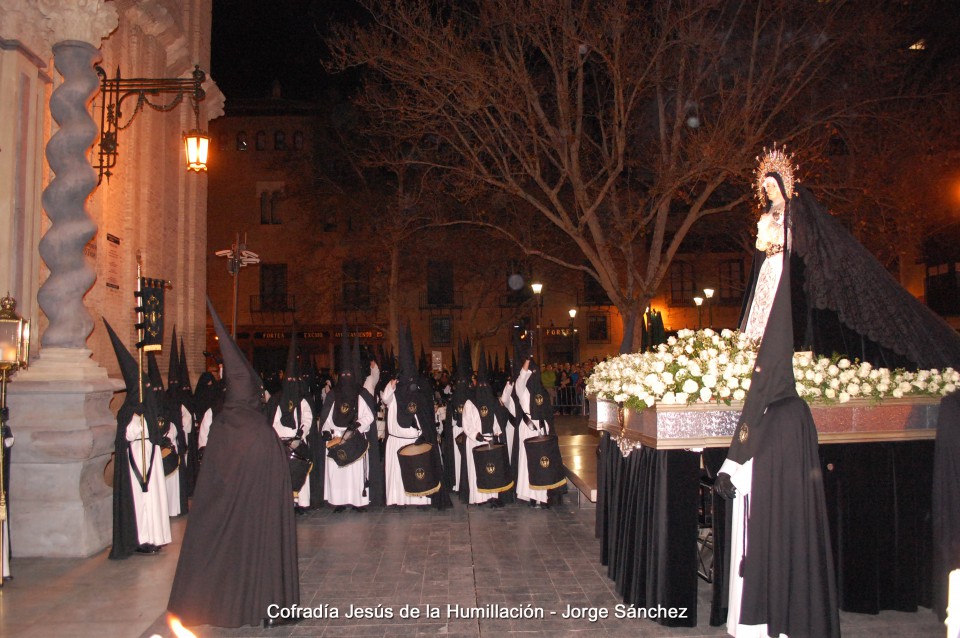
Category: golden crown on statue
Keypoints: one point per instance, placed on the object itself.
(776, 161)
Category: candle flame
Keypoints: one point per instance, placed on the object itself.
(178, 629)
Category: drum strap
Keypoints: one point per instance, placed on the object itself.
(143, 482)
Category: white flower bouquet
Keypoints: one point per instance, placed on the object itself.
(704, 366)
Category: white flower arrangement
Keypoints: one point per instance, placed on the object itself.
(704, 366)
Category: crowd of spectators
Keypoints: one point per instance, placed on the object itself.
(565, 383)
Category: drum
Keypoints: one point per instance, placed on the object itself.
(171, 460)
(417, 469)
(347, 449)
(299, 462)
(491, 463)
(544, 463)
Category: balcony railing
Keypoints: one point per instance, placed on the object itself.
(451, 301)
(273, 303)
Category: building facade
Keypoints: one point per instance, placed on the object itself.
(75, 241)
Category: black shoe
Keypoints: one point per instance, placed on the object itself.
(147, 549)
(270, 623)
(359, 509)
(339, 508)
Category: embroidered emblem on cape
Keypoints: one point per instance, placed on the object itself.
(342, 455)
(538, 399)
(744, 433)
(412, 407)
(484, 410)
(344, 408)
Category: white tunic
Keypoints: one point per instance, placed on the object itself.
(345, 485)
(153, 518)
(398, 437)
(205, 422)
(524, 491)
(306, 418)
(173, 480)
(472, 427)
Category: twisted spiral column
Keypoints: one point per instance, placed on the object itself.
(61, 296)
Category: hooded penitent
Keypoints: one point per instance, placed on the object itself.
(239, 553)
(462, 392)
(175, 400)
(347, 389)
(125, 536)
(415, 409)
(410, 401)
(487, 403)
(787, 567)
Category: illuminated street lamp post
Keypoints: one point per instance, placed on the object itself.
(699, 302)
(708, 293)
(537, 291)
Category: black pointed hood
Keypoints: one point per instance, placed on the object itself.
(484, 398)
(153, 372)
(408, 388)
(244, 388)
(184, 370)
(463, 387)
(128, 366)
(291, 394)
(173, 366)
(347, 390)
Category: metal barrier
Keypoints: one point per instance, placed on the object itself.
(570, 400)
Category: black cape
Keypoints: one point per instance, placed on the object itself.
(788, 571)
(239, 551)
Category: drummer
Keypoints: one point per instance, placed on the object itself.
(346, 408)
(409, 418)
(484, 421)
(534, 420)
(291, 414)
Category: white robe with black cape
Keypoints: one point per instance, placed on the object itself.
(781, 565)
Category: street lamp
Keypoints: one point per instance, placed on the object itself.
(114, 91)
(14, 354)
(237, 257)
(537, 288)
(699, 302)
(708, 293)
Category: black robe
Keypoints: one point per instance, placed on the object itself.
(788, 579)
(239, 551)
(946, 499)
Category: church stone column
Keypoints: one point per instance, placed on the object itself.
(59, 407)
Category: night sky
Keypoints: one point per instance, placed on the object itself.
(255, 42)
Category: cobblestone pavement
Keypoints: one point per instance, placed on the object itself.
(439, 563)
